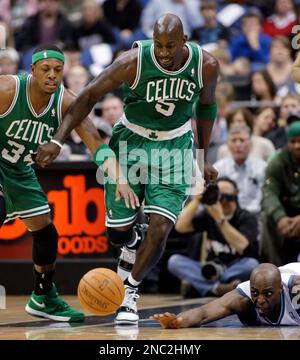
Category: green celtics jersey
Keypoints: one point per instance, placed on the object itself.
(160, 99)
(22, 130)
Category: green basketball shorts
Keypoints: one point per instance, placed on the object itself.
(23, 194)
(159, 172)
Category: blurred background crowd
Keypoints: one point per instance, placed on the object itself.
(251, 40)
(257, 98)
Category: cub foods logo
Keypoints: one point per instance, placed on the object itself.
(78, 233)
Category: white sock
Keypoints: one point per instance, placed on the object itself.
(123, 273)
(132, 281)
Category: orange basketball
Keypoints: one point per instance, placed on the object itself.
(101, 291)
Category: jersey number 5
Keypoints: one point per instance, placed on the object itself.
(164, 107)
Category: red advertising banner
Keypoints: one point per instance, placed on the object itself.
(78, 211)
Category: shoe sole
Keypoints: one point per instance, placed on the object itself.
(126, 322)
(42, 314)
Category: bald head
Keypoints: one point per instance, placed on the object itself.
(169, 42)
(266, 289)
(266, 273)
(168, 24)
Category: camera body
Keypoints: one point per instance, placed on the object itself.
(212, 270)
(211, 194)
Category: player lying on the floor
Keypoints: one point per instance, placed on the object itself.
(271, 297)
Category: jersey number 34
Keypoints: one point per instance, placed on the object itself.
(13, 155)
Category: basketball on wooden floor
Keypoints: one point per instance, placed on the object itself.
(101, 291)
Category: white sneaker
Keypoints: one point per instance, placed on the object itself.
(127, 313)
(128, 254)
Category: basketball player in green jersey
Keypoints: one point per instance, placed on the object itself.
(31, 110)
(162, 79)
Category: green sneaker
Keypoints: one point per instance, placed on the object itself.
(52, 307)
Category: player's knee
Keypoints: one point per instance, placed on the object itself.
(2, 210)
(45, 245)
(160, 225)
(158, 234)
(119, 238)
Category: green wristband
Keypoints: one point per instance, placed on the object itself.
(205, 112)
(103, 152)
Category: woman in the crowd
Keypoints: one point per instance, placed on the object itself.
(262, 86)
(280, 65)
(265, 124)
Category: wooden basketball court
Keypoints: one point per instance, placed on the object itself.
(15, 324)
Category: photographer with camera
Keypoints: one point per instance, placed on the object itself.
(232, 247)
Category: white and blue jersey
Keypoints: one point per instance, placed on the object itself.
(290, 297)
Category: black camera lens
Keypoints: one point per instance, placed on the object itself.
(211, 194)
(212, 270)
(209, 271)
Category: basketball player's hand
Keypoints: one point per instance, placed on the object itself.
(46, 154)
(210, 173)
(168, 320)
(123, 190)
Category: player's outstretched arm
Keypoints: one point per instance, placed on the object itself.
(86, 129)
(230, 303)
(296, 69)
(47, 153)
(123, 69)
